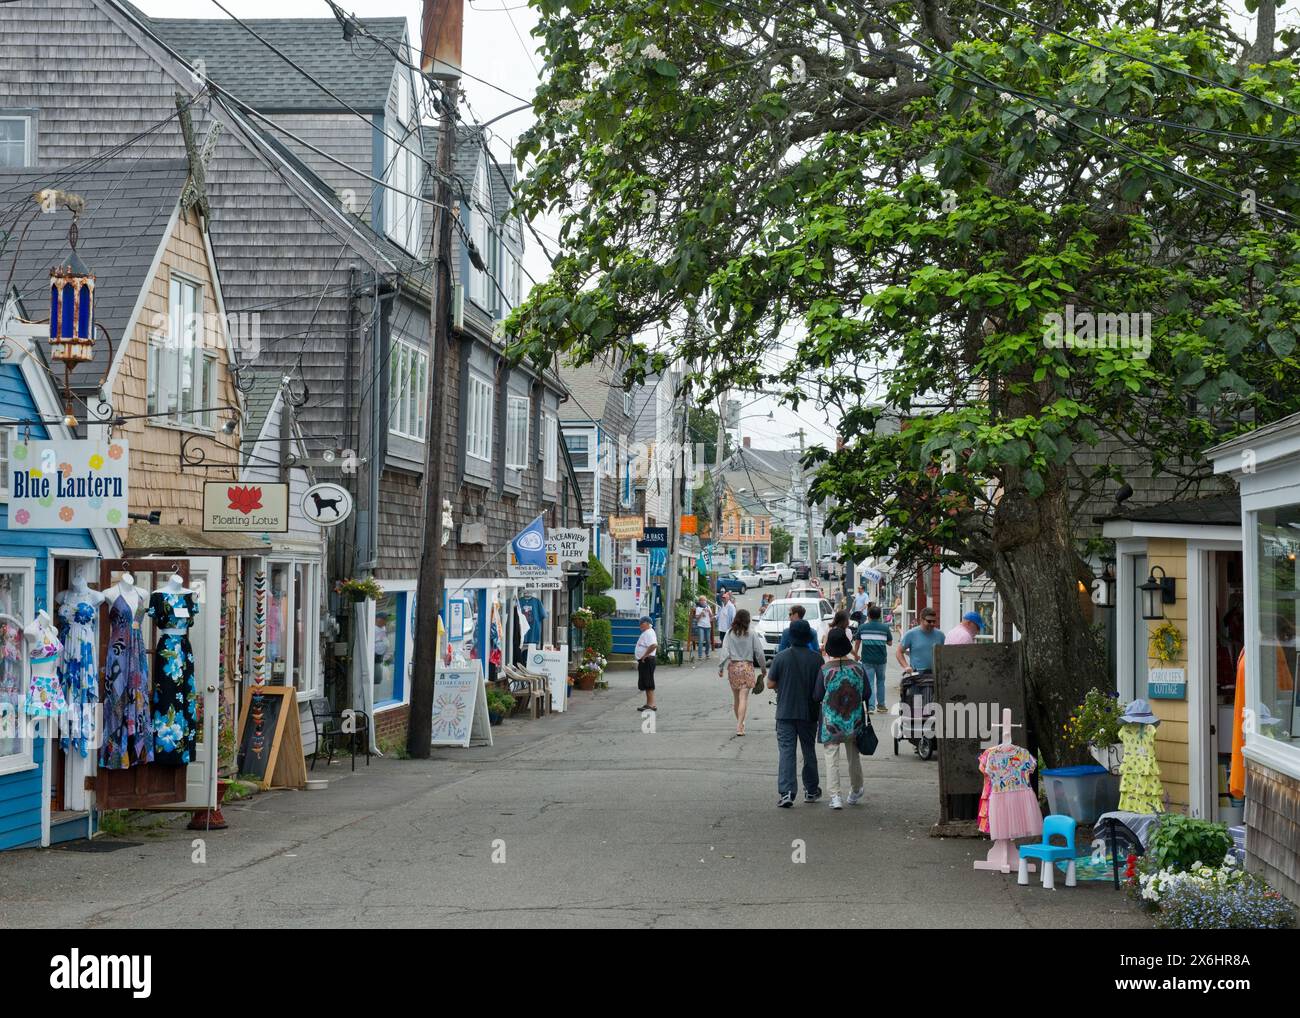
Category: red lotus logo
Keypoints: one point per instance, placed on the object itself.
(244, 499)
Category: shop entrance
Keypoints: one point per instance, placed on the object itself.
(1224, 626)
(152, 785)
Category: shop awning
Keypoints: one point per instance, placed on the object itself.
(147, 539)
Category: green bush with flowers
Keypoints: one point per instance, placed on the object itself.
(1208, 897)
(1095, 722)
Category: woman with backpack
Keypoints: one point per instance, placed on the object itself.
(842, 690)
(744, 664)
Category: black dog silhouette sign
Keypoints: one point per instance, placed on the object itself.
(326, 504)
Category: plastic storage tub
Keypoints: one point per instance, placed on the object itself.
(1084, 792)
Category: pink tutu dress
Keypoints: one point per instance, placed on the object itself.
(1013, 810)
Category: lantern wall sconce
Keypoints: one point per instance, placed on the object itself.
(1157, 593)
(72, 309)
(1106, 588)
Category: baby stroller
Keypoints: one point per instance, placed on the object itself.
(916, 691)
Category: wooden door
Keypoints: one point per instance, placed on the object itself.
(148, 784)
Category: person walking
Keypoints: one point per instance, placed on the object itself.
(647, 648)
(742, 662)
(918, 643)
(726, 615)
(788, 639)
(965, 631)
(702, 624)
(794, 675)
(860, 603)
(840, 623)
(871, 645)
(842, 691)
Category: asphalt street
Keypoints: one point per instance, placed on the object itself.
(576, 820)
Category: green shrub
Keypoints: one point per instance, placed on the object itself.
(702, 587)
(681, 621)
(602, 604)
(598, 579)
(600, 636)
(500, 702)
(1180, 841)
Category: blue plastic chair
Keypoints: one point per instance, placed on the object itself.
(1055, 825)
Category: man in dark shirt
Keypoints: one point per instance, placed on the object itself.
(797, 612)
(793, 675)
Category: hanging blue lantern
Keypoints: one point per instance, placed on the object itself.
(72, 309)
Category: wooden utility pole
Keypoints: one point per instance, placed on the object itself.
(442, 59)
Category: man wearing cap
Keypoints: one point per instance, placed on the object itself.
(918, 643)
(647, 646)
(965, 630)
(793, 675)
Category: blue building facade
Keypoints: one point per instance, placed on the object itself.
(37, 806)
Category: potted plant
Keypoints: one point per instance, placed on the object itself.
(365, 589)
(499, 704)
(1095, 724)
(581, 616)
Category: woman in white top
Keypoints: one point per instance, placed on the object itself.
(743, 663)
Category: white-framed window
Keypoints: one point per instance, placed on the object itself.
(17, 588)
(291, 625)
(517, 408)
(550, 447)
(478, 418)
(15, 141)
(403, 177)
(747, 526)
(481, 289)
(182, 371)
(627, 403)
(579, 445)
(408, 390)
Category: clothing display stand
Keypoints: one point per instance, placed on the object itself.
(1003, 855)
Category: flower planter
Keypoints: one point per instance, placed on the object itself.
(585, 680)
(211, 819)
(579, 623)
(1109, 757)
(495, 717)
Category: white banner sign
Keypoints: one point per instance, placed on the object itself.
(563, 545)
(460, 707)
(61, 483)
(572, 544)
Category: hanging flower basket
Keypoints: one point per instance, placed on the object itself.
(356, 591)
(581, 617)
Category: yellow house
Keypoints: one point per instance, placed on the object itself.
(1193, 547)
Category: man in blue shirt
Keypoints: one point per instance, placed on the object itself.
(797, 614)
(919, 642)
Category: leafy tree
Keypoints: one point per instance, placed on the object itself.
(782, 542)
(924, 194)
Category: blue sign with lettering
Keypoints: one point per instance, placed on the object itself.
(1167, 684)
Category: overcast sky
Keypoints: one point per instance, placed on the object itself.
(499, 49)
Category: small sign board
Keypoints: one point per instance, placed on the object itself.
(62, 483)
(230, 507)
(572, 544)
(689, 524)
(554, 664)
(327, 504)
(655, 537)
(1167, 684)
(627, 528)
(460, 715)
(270, 739)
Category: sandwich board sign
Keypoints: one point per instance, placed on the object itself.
(460, 714)
(554, 664)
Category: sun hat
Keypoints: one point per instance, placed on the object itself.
(973, 617)
(1138, 713)
(837, 643)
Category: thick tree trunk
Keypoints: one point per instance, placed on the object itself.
(1038, 572)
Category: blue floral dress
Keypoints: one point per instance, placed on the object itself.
(78, 621)
(128, 717)
(175, 700)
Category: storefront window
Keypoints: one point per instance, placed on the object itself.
(14, 748)
(278, 621)
(306, 621)
(390, 648)
(1278, 590)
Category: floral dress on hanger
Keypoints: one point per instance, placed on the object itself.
(1140, 789)
(77, 672)
(175, 700)
(1013, 810)
(128, 720)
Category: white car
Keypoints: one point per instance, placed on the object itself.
(748, 577)
(777, 572)
(818, 613)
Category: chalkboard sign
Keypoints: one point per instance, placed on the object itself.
(270, 743)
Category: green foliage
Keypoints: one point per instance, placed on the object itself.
(500, 702)
(1181, 841)
(394, 747)
(598, 579)
(782, 542)
(115, 822)
(600, 636)
(1247, 904)
(601, 604)
(1096, 720)
(681, 620)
